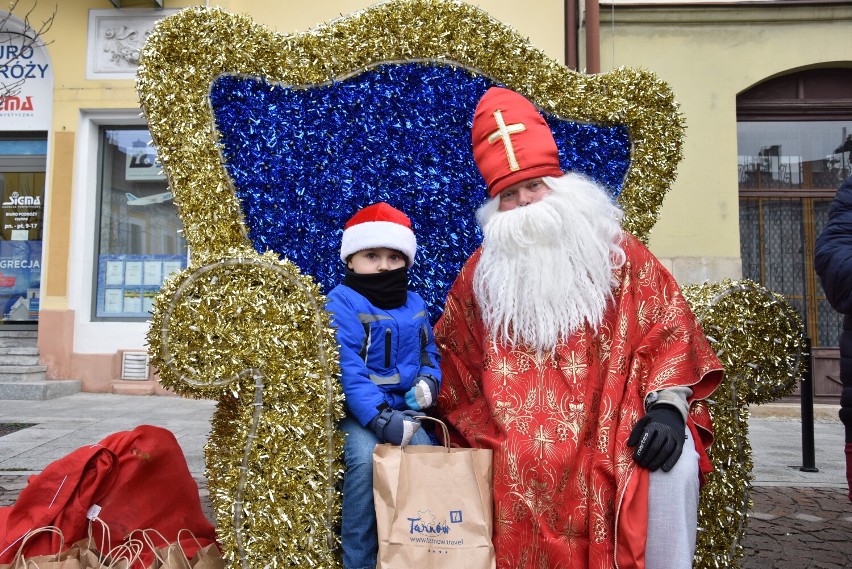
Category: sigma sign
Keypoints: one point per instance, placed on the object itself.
(26, 84)
(17, 200)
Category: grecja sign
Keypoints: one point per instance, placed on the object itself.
(26, 84)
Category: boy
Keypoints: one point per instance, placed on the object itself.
(388, 360)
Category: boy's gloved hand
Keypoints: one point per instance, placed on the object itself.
(395, 427)
(659, 436)
(423, 394)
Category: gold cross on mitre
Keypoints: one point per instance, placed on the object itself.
(503, 133)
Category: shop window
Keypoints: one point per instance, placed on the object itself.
(794, 146)
(798, 155)
(140, 241)
(22, 167)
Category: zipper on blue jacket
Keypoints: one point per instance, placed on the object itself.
(425, 360)
(387, 348)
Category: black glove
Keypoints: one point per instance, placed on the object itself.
(659, 436)
(423, 393)
(395, 427)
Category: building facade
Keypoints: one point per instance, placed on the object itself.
(766, 91)
(90, 231)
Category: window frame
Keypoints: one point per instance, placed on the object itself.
(101, 129)
(787, 98)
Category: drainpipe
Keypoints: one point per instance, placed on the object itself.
(593, 38)
(572, 59)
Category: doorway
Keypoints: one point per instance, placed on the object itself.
(22, 184)
(794, 139)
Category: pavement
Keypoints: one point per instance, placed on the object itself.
(800, 519)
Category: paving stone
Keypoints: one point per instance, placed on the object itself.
(808, 518)
(808, 535)
(765, 517)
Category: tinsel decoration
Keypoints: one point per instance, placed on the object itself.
(759, 338)
(251, 331)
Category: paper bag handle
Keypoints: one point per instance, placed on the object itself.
(19, 556)
(443, 428)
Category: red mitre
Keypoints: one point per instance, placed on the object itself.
(511, 141)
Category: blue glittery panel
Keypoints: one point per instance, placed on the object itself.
(304, 160)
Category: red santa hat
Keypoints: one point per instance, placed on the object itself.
(511, 141)
(375, 226)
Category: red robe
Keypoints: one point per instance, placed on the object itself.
(566, 488)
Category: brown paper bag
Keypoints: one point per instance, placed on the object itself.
(60, 560)
(172, 555)
(47, 562)
(433, 507)
(42, 562)
(208, 557)
(125, 555)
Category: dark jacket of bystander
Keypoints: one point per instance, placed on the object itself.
(833, 264)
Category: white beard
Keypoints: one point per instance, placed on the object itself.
(548, 268)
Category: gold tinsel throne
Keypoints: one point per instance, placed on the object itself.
(270, 142)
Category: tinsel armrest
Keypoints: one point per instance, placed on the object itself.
(759, 338)
(250, 331)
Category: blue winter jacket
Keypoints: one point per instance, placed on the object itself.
(381, 351)
(833, 264)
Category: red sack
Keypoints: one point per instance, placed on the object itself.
(131, 480)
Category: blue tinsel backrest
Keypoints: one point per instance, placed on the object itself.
(304, 160)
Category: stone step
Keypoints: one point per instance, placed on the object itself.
(20, 350)
(18, 333)
(38, 390)
(18, 360)
(13, 339)
(19, 357)
(14, 374)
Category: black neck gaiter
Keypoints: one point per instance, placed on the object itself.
(384, 290)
